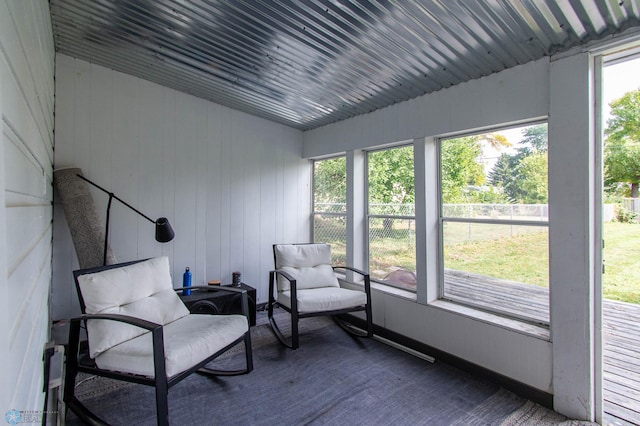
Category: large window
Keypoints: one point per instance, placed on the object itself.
(494, 221)
(391, 217)
(330, 206)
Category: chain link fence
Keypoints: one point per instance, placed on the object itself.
(497, 211)
(392, 250)
(392, 244)
(331, 207)
(331, 228)
(392, 209)
(488, 211)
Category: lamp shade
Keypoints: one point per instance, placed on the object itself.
(164, 231)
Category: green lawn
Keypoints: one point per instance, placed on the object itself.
(621, 280)
(522, 257)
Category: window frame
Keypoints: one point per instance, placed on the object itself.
(368, 216)
(315, 213)
(443, 219)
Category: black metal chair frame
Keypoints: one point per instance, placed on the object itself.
(294, 342)
(78, 360)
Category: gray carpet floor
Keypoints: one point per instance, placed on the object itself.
(332, 379)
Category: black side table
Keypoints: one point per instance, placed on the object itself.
(202, 302)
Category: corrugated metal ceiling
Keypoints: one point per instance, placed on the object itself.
(312, 62)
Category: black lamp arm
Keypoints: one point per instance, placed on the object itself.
(112, 195)
(164, 231)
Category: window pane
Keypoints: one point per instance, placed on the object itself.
(330, 207)
(504, 167)
(499, 176)
(498, 267)
(392, 242)
(332, 229)
(391, 178)
(392, 251)
(330, 185)
(510, 252)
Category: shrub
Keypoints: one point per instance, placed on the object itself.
(624, 215)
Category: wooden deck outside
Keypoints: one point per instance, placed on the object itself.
(621, 332)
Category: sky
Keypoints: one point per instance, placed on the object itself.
(617, 80)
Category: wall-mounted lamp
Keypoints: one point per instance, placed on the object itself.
(164, 231)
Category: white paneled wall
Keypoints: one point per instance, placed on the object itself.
(556, 88)
(26, 157)
(230, 183)
(514, 95)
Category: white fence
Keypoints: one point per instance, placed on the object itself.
(631, 204)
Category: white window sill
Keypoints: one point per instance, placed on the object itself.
(522, 327)
(394, 291)
(537, 331)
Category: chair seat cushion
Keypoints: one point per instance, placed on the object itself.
(187, 341)
(324, 299)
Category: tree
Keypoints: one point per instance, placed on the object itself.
(535, 137)
(534, 179)
(330, 181)
(460, 167)
(391, 182)
(622, 146)
(523, 175)
(504, 175)
(391, 176)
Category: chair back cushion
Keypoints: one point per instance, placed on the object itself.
(142, 290)
(309, 264)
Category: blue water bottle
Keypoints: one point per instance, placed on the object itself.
(186, 282)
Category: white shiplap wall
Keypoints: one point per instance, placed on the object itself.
(26, 103)
(230, 183)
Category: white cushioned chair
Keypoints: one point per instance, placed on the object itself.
(139, 331)
(307, 286)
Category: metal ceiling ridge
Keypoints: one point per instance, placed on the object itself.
(94, 51)
(309, 63)
(124, 39)
(195, 89)
(108, 62)
(307, 29)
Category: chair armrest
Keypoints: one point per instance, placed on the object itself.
(367, 280)
(286, 275)
(293, 286)
(351, 268)
(156, 330)
(138, 322)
